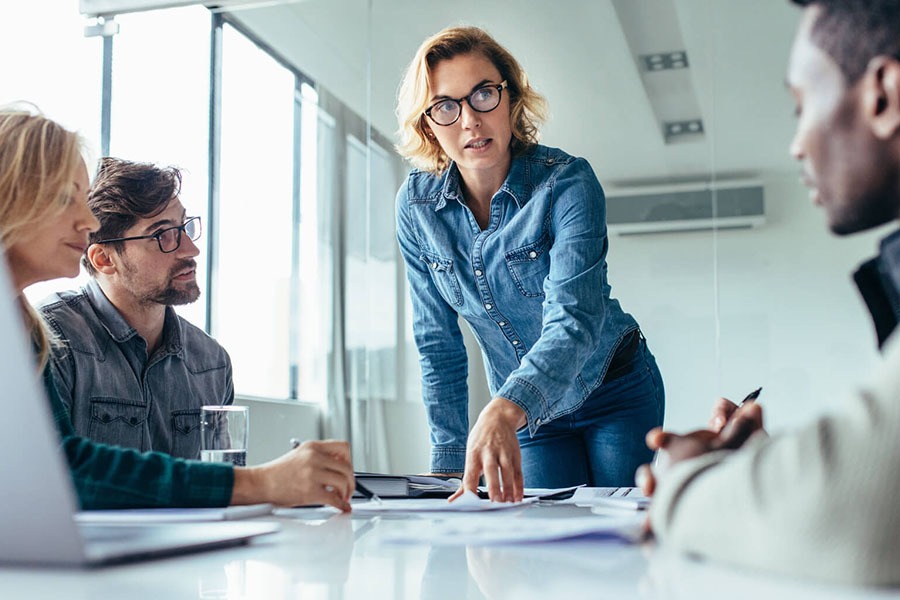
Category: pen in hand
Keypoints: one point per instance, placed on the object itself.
(751, 396)
(366, 492)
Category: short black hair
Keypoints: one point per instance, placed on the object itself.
(125, 192)
(853, 32)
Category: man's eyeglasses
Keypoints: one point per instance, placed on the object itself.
(484, 99)
(169, 239)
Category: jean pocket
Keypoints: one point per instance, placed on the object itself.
(444, 277)
(118, 422)
(529, 266)
(186, 433)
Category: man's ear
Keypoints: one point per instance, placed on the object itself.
(881, 96)
(101, 259)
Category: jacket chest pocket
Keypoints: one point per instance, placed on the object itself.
(529, 266)
(444, 277)
(186, 433)
(117, 422)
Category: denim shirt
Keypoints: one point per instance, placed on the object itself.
(532, 286)
(115, 393)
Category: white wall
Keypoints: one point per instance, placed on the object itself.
(791, 319)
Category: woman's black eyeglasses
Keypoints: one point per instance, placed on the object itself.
(484, 99)
(169, 239)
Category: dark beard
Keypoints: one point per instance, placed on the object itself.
(173, 297)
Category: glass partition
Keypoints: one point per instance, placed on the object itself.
(675, 104)
(675, 98)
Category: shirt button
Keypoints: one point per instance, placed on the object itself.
(502, 323)
(434, 265)
(478, 273)
(515, 342)
(538, 422)
(488, 306)
(532, 254)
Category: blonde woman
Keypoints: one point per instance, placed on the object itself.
(511, 236)
(44, 228)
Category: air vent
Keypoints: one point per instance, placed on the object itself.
(685, 207)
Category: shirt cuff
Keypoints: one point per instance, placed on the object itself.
(448, 460)
(527, 397)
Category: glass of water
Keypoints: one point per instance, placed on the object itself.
(224, 431)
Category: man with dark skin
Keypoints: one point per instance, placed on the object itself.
(819, 502)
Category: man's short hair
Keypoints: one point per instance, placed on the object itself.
(125, 192)
(853, 32)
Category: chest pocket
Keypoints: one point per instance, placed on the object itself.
(444, 277)
(118, 422)
(529, 266)
(186, 433)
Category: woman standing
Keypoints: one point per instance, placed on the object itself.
(511, 236)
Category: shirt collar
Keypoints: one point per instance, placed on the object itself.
(890, 260)
(514, 184)
(119, 329)
(878, 281)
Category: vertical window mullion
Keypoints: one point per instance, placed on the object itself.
(215, 165)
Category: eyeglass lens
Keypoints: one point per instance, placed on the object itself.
(484, 99)
(170, 239)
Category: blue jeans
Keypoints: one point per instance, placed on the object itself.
(602, 443)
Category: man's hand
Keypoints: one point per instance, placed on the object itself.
(493, 449)
(316, 472)
(730, 427)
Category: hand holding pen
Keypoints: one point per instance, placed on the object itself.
(724, 410)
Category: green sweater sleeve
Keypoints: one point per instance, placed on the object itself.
(113, 477)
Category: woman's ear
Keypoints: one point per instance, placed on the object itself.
(100, 259)
(881, 96)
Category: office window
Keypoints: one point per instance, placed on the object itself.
(252, 309)
(313, 341)
(371, 272)
(160, 106)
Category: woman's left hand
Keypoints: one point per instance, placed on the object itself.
(493, 449)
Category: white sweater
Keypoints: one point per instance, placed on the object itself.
(822, 502)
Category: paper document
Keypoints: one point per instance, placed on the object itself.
(623, 498)
(172, 515)
(475, 530)
(468, 502)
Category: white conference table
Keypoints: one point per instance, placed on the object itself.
(345, 557)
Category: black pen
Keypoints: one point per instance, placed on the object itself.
(751, 396)
(366, 492)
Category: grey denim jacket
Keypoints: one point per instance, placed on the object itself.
(118, 395)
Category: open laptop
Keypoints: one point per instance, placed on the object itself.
(37, 498)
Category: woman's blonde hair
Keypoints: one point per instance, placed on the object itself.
(527, 108)
(38, 161)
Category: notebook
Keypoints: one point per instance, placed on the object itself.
(406, 486)
(37, 525)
